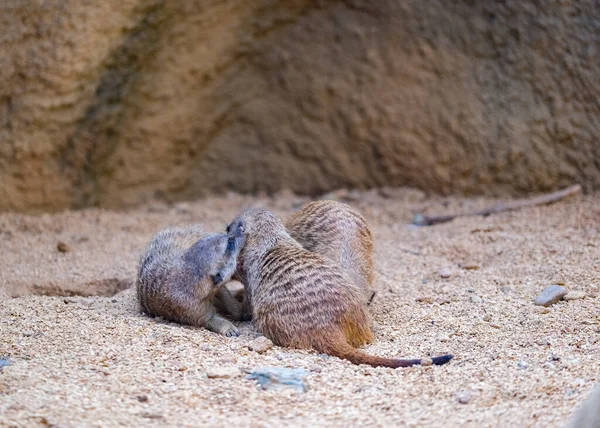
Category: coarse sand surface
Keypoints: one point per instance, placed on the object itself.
(80, 353)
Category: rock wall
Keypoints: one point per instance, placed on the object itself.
(113, 103)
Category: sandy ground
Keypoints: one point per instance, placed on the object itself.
(96, 361)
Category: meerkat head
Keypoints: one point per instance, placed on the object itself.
(263, 230)
(215, 256)
(258, 224)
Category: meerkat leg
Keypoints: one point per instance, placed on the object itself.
(220, 325)
(229, 304)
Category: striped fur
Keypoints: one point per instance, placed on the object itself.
(301, 299)
(339, 233)
(178, 277)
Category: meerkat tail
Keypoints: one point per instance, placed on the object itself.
(341, 349)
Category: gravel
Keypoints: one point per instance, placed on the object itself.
(88, 360)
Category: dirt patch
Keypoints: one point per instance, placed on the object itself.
(104, 287)
(97, 360)
(113, 104)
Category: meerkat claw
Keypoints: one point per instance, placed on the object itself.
(232, 333)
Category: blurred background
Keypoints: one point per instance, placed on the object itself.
(113, 104)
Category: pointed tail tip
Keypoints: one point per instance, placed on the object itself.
(438, 361)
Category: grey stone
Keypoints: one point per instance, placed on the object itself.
(587, 415)
(280, 377)
(551, 295)
(464, 397)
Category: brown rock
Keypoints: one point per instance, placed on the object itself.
(63, 247)
(76, 143)
(223, 372)
(260, 344)
(469, 266)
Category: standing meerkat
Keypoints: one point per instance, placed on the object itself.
(299, 298)
(181, 276)
(339, 233)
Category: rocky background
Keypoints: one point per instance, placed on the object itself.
(113, 103)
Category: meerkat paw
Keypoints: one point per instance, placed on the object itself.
(220, 325)
(232, 332)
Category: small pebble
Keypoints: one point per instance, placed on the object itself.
(260, 344)
(28, 333)
(487, 317)
(470, 266)
(464, 397)
(522, 365)
(224, 372)
(424, 281)
(445, 273)
(425, 299)
(204, 347)
(149, 415)
(315, 369)
(551, 295)
(476, 299)
(426, 361)
(574, 295)
(505, 289)
(279, 357)
(142, 398)
(4, 363)
(63, 247)
(443, 337)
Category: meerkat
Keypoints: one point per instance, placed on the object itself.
(339, 233)
(299, 298)
(181, 276)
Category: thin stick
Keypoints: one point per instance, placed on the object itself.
(422, 220)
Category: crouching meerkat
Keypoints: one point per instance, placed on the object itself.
(301, 299)
(181, 276)
(339, 233)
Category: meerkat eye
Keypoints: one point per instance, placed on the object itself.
(217, 278)
(228, 228)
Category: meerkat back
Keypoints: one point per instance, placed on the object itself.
(156, 262)
(339, 233)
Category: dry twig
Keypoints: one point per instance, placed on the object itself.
(422, 220)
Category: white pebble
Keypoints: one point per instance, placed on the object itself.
(445, 273)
